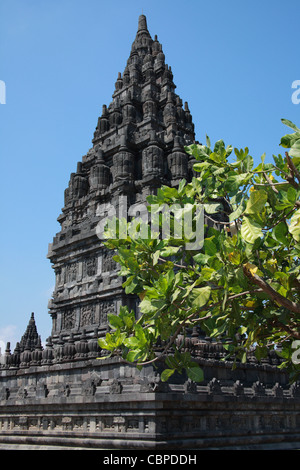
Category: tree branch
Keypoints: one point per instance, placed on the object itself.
(292, 166)
(290, 331)
(191, 318)
(270, 183)
(292, 306)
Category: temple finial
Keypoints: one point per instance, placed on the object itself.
(142, 23)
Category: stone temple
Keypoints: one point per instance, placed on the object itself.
(61, 395)
(137, 147)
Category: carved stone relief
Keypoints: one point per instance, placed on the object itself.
(90, 266)
(108, 263)
(87, 315)
(71, 272)
(105, 307)
(68, 319)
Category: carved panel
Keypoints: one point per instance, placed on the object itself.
(108, 424)
(71, 272)
(68, 319)
(59, 276)
(108, 263)
(90, 266)
(66, 423)
(87, 315)
(132, 424)
(105, 307)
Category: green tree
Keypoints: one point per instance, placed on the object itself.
(241, 284)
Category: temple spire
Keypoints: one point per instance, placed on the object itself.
(30, 337)
(133, 154)
(142, 33)
(142, 24)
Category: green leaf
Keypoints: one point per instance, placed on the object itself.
(132, 342)
(147, 307)
(261, 352)
(140, 334)
(207, 273)
(250, 230)
(102, 343)
(294, 227)
(199, 296)
(280, 232)
(166, 374)
(155, 257)
(169, 192)
(201, 258)
(170, 251)
(130, 285)
(235, 181)
(287, 141)
(290, 124)
(256, 202)
(195, 373)
(284, 199)
(219, 146)
(102, 358)
(114, 320)
(292, 195)
(171, 362)
(212, 208)
(181, 187)
(295, 149)
(107, 343)
(238, 212)
(210, 247)
(133, 356)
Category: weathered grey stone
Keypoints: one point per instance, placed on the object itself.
(62, 396)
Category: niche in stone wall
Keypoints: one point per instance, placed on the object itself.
(106, 307)
(108, 263)
(90, 266)
(88, 315)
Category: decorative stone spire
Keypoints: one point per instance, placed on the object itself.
(137, 147)
(30, 340)
(142, 24)
(143, 37)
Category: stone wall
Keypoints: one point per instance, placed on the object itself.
(106, 404)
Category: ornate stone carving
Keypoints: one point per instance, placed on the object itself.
(116, 387)
(100, 172)
(214, 387)
(178, 161)
(69, 349)
(68, 319)
(108, 263)
(105, 307)
(87, 315)
(82, 349)
(90, 385)
(153, 158)
(90, 266)
(71, 272)
(123, 162)
(238, 388)
(78, 185)
(258, 389)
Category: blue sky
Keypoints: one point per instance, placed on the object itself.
(234, 62)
